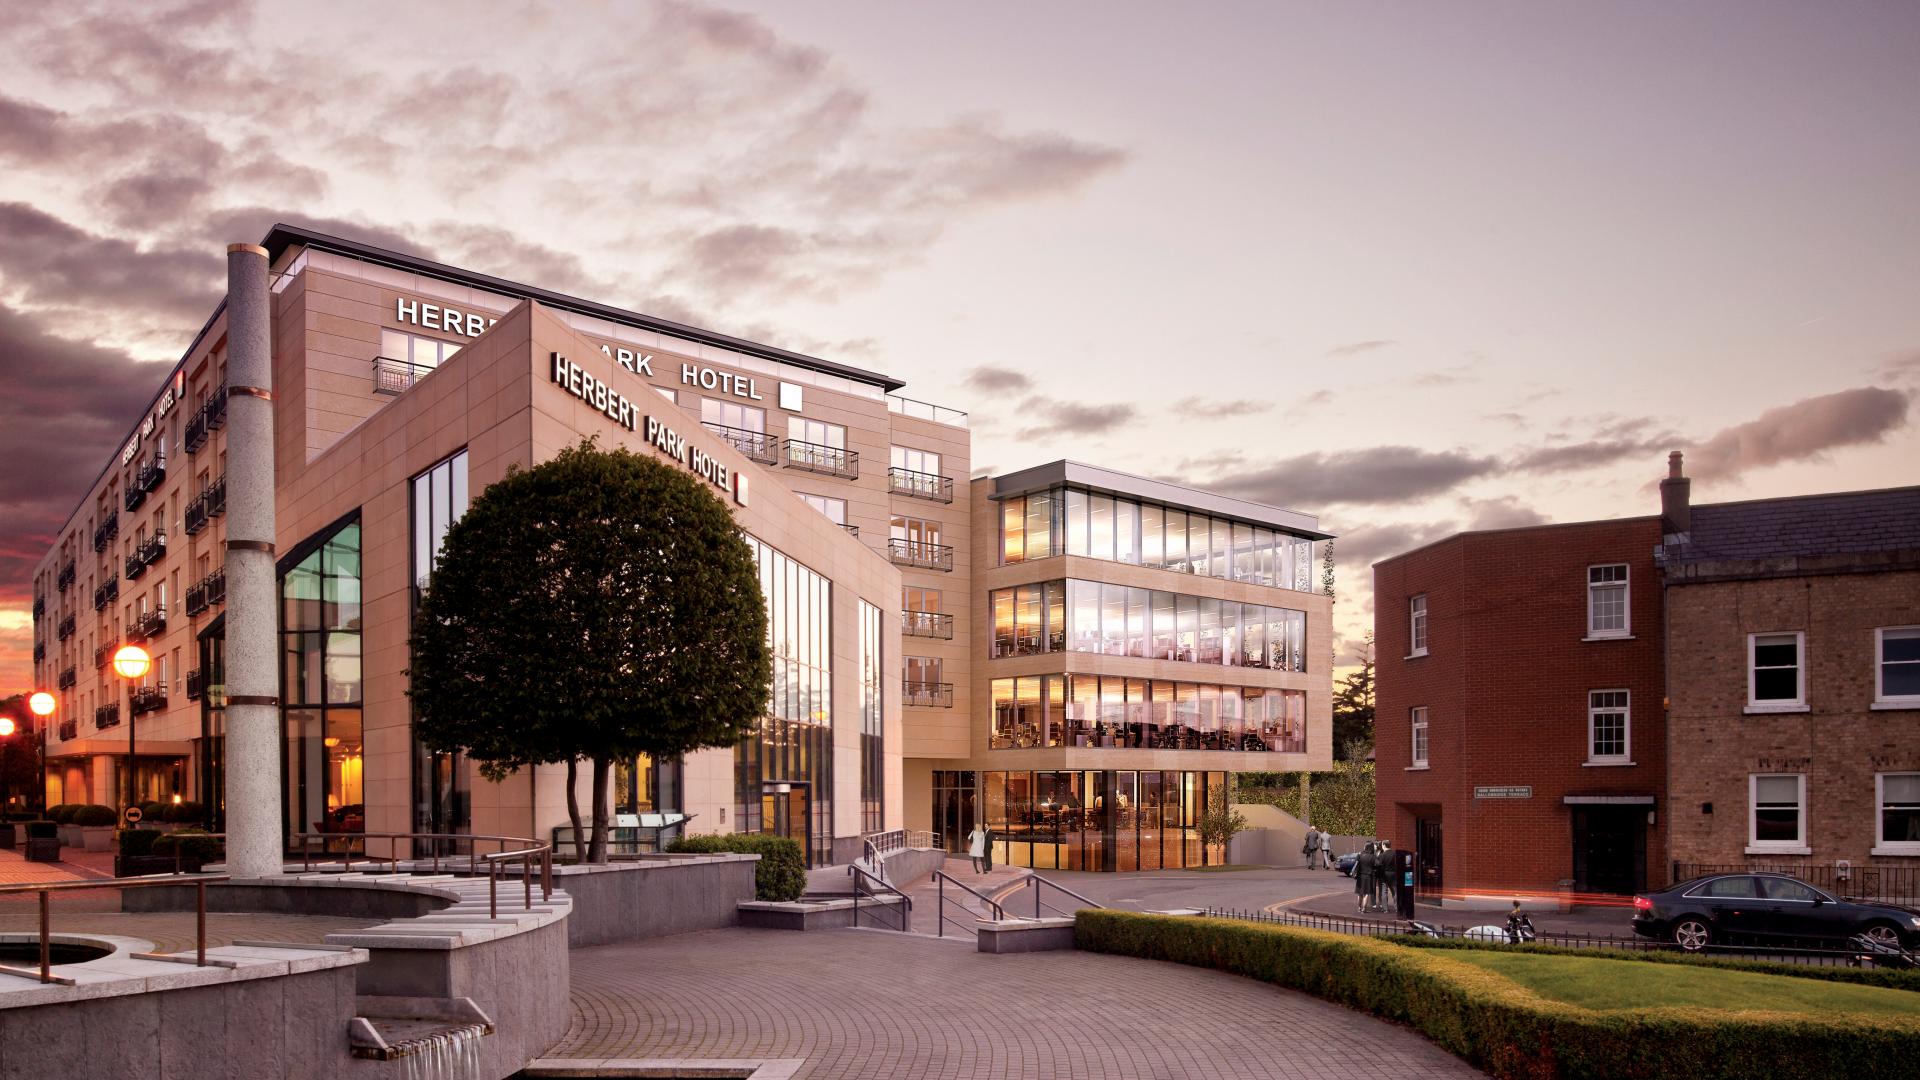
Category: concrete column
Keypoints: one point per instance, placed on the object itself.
(253, 683)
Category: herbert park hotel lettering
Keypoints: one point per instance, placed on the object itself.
(618, 408)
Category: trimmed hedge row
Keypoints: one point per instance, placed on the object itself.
(782, 870)
(1891, 978)
(1505, 1028)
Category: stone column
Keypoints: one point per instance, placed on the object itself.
(252, 677)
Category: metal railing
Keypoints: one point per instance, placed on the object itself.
(104, 716)
(1040, 885)
(530, 853)
(933, 695)
(107, 532)
(920, 485)
(939, 414)
(1885, 884)
(392, 376)
(940, 876)
(864, 884)
(69, 730)
(69, 678)
(67, 625)
(826, 460)
(210, 417)
(64, 579)
(928, 624)
(754, 445)
(204, 507)
(46, 888)
(146, 699)
(920, 553)
(151, 474)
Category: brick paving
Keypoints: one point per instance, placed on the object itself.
(872, 1004)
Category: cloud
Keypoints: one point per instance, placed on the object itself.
(994, 380)
(1364, 545)
(1899, 369)
(1503, 512)
(1804, 430)
(1056, 417)
(1355, 348)
(1378, 474)
(1202, 409)
(49, 262)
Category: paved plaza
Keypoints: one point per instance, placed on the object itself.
(874, 1004)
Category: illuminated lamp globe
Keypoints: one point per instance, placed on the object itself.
(132, 662)
(42, 703)
(6, 726)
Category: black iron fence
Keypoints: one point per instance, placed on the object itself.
(1884, 884)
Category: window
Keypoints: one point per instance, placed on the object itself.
(1607, 727)
(873, 780)
(439, 499)
(920, 461)
(1418, 715)
(1607, 601)
(1417, 625)
(422, 352)
(1775, 888)
(1778, 812)
(835, 509)
(1735, 888)
(817, 432)
(1773, 672)
(732, 415)
(1898, 828)
(1897, 676)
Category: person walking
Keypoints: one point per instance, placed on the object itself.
(1311, 846)
(1326, 848)
(1363, 876)
(977, 848)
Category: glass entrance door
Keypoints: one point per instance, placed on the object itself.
(786, 813)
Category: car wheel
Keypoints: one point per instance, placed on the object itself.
(1883, 934)
(1691, 934)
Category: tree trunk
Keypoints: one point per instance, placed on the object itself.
(602, 774)
(573, 812)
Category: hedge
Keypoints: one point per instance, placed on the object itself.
(62, 813)
(781, 873)
(1503, 1027)
(93, 814)
(193, 844)
(136, 841)
(1892, 978)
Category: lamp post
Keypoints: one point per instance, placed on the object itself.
(7, 729)
(131, 662)
(42, 704)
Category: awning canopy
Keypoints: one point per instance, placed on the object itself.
(1607, 800)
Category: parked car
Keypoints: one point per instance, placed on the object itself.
(1344, 863)
(1726, 908)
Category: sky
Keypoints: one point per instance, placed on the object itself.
(1414, 268)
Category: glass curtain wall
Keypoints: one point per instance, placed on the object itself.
(441, 794)
(1109, 711)
(320, 686)
(784, 772)
(1113, 820)
(1069, 521)
(1119, 620)
(873, 773)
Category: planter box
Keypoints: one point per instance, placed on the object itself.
(9, 838)
(70, 836)
(43, 850)
(96, 837)
(136, 865)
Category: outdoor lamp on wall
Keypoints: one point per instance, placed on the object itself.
(132, 662)
(42, 703)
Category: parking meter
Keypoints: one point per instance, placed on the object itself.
(1403, 869)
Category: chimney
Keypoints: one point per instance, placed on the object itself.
(1676, 505)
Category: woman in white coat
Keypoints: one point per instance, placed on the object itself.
(977, 848)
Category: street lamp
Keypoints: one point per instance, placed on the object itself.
(131, 662)
(41, 704)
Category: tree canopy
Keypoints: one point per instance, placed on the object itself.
(599, 605)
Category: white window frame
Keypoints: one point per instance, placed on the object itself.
(827, 505)
(1417, 625)
(1626, 611)
(1777, 847)
(1881, 699)
(1625, 757)
(1772, 705)
(1881, 845)
(1419, 737)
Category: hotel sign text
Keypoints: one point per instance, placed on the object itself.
(472, 324)
(616, 407)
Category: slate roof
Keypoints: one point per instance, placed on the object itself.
(1843, 523)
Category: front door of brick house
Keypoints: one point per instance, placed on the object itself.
(1427, 862)
(1609, 849)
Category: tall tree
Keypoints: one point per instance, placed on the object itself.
(1353, 709)
(599, 605)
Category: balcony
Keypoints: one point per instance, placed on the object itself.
(146, 552)
(756, 445)
(104, 653)
(204, 507)
(919, 485)
(69, 730)
(929, 624)
(939, 414)
(194, 686)
(825, 460)
(151, 474)
(64, 580)
(39, 651)
(147, 625)
(108, 531)
(852, 530)
(921, 554)
(135, 566)
(206, 592)
(135, 496)
(210, 417)
(146, 699)
(106, 594)
(396, 376)
(932, 695)
(68, 677)
(106, 716)
(39, 607)
(66, 626)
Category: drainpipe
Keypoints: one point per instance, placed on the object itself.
(254, 847)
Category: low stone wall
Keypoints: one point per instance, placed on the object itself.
(821, 914)
(1026, 935)
(655, 896)
(348, 897)
(909, 865)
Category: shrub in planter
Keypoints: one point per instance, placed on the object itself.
(152, 811)
(195, 846)
(62, 813)
(136, 841)
(93, 814)
(782, 872)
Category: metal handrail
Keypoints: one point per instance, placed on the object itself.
(999, 912)
(855, 872)
(46, 975)
(1037, 881)
(532, 850)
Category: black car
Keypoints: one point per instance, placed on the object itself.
(1722, 909)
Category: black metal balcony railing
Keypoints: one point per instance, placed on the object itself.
(825, 460)
(108, 531)
(392, 376)
(106, 716)
(68, 623)
(69, 730)
(210, 417)
(39, 607)
(151, 473)
(64, 580)
(920, 485)
(134, 497)
(935, 695)
(933, 624)
(206, 592)
(194, 686)
(105, 653)
(68, 677)
(921, 554)
(39, 651)
(852, 530)
(106, 594)
(146, 699)
(135, 566)
(756, 445)
(204, 507)
(150, 550)
(147, 625)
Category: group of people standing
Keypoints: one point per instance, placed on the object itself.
(1373, 874)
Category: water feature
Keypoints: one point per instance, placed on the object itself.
(445, 1055)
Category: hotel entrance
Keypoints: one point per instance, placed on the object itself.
(1610, 848)
(785, 809)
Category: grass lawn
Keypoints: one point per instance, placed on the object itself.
(1623, 984)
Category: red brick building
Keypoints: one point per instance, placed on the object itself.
(1519, 735)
